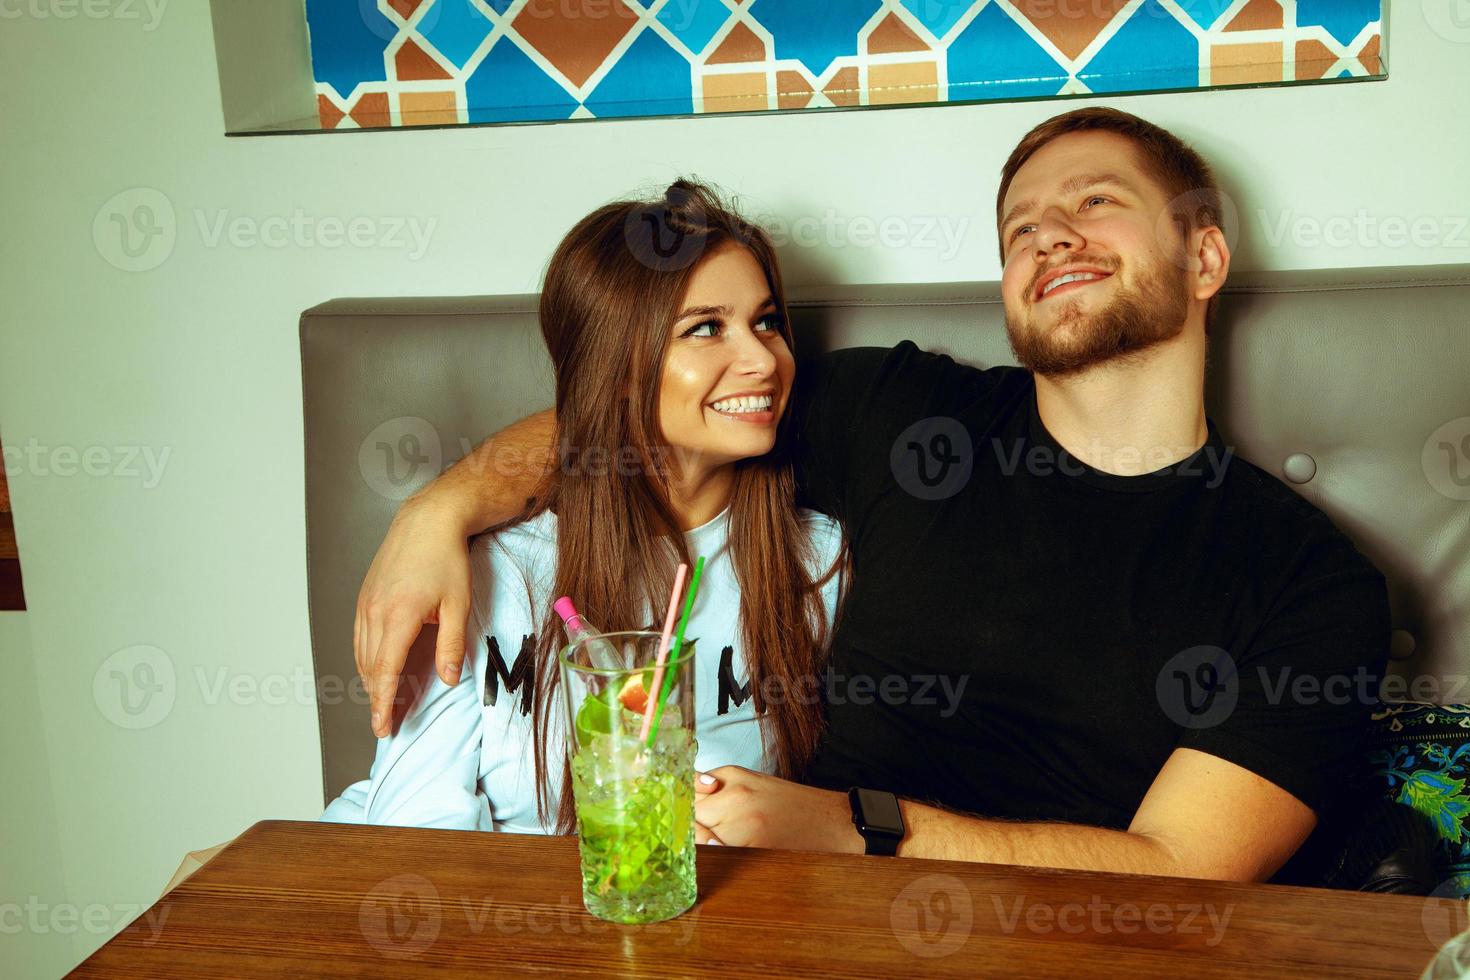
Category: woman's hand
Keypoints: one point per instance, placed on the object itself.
(704, 785)
(420, 575)
(751, 809)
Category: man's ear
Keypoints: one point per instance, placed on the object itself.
(1211, 265)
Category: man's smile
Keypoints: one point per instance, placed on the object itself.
(1067, 279)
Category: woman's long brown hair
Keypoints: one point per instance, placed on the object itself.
(608, 307)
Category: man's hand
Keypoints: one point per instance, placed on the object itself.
(420, 575)
(1202, 818)
(751, 809)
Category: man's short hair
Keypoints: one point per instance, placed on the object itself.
(1187, 180)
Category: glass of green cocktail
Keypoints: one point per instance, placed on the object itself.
(632, 774)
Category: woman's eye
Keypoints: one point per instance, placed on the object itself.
(709, 328)
(771, 322)
(1093, 200)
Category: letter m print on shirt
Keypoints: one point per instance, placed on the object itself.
(730, 689)
(519, 677)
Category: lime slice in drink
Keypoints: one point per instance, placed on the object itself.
(595, 717)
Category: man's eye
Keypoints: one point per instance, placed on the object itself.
(1093, 200)
(712, 326)
(1021, 231)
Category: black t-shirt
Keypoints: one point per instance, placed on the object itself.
(1028, 637)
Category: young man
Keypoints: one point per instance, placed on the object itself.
(1120, 610)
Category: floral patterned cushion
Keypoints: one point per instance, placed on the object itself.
(1422, 752)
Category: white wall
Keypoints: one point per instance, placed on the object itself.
(198, 359)
(37, 937)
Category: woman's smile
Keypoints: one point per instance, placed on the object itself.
(749, 407)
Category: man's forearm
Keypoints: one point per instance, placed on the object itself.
(935, 833)
(496, 481)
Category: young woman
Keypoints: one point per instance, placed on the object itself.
(666, 325)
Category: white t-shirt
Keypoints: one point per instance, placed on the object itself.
(462, 758)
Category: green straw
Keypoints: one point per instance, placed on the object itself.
(658, 711)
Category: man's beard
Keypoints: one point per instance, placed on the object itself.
(1135, 320)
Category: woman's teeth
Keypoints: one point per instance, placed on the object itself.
(740, 406)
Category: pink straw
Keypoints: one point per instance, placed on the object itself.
(663, 646)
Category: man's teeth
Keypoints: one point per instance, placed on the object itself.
(739, 406)
(1069, 277)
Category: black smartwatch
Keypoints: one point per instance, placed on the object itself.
(877, 817)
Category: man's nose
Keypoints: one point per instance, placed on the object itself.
(1054, 232)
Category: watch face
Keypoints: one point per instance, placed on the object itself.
(880, 811)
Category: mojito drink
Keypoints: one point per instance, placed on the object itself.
(634, 794)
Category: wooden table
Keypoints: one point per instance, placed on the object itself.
(304, 899)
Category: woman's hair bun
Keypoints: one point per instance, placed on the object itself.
(673, 232)
(688, 206)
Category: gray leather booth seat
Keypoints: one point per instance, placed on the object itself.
(1352, 386)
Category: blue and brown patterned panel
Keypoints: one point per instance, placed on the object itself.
(438, 62)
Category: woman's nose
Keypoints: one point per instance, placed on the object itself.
(752, 356)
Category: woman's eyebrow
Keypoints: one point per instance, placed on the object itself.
(719, 310)
(704, 311)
